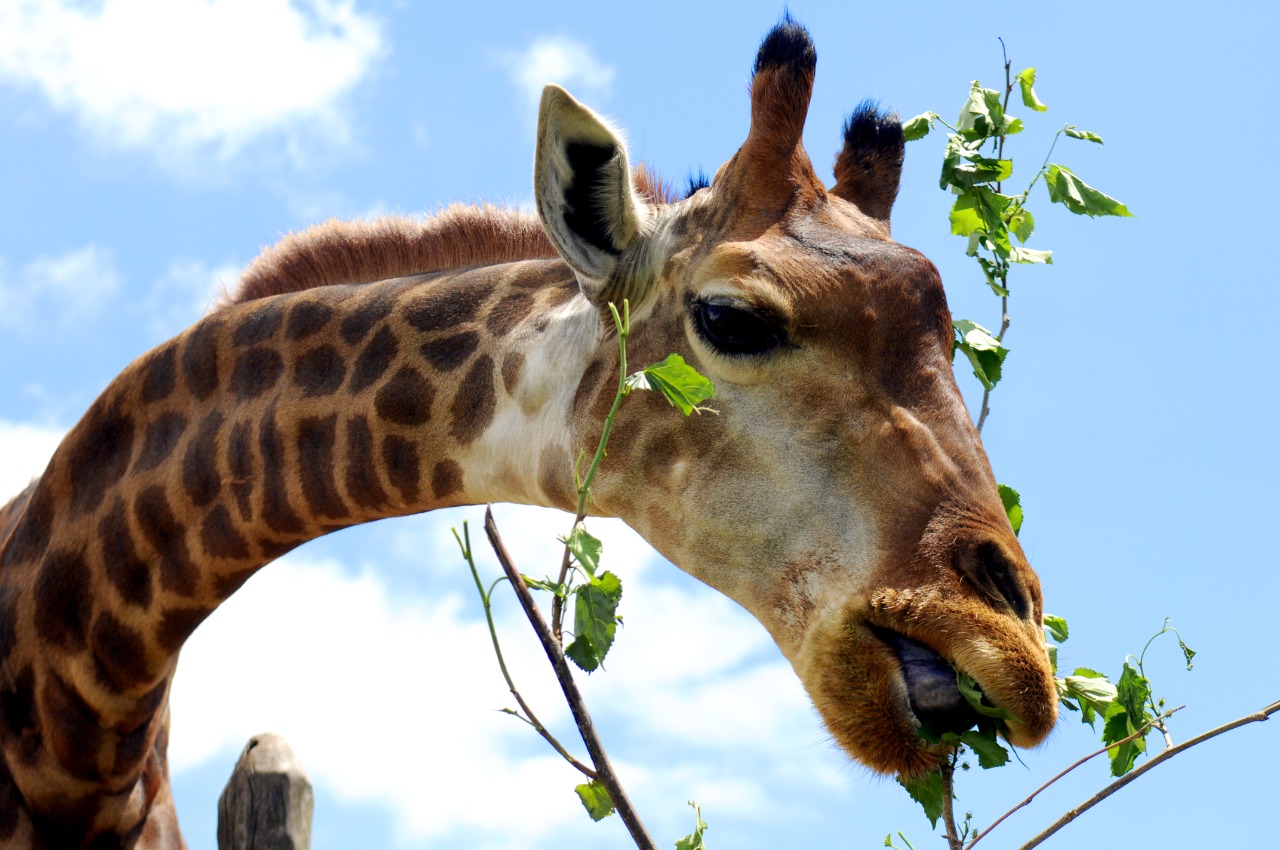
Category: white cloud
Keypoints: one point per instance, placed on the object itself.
(390, 696)
(70, 286)
(368, 689)
(178, 75)
(25, 450)
(561, 60)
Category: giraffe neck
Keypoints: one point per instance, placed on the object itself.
(265, 425)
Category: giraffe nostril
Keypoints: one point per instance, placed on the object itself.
(995, 572)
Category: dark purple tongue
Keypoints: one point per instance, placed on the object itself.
(931, 686)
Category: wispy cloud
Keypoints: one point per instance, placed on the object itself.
(174, 76)
(561, 60)
(69, 287)
(391, 696)
(400, 685)
(25, 450)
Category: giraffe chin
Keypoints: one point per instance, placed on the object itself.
(878, 669)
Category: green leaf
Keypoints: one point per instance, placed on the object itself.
(585, 548)
(1125, 716)
(975, 335)
(984, 351)
(978, 700)
(1075, 133)
(544, 584)
(694, 840)
(1187, 653)
(982, 115)
(595, 620)
(979, 208)
(1117, 728)
(1053, 663)
(1022, 224)
(1082, 199)
(1133, 691)
(595, 799)
(964, 167)
(927, 791)
(581, 652)
(1012, 506)
(1030, 256)
(991, 753)
(1026, 79)
(919, 127)
(965, 217)
(1057, 627)
(1092, 691)
(682, 384)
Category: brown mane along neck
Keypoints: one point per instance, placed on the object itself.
(337, 252)
(459, 236)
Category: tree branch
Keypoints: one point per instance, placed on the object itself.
(948, 769)
(1106, 792)
(1142, 731)
(529, 717)
(555, 654)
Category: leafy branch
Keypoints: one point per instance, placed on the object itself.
(975, 169)
(596, 595)
(486, 598)
(605, 778)
(992, 220)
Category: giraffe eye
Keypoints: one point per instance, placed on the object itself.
(735, 330)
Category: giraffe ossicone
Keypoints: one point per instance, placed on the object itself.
(367, 370)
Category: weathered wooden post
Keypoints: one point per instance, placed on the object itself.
(268, 802)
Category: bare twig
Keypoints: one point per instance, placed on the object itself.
(1157, 760)
(948, 769)
(555, 654)
(1141, 731)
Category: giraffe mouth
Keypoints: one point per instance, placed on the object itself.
(932, 693)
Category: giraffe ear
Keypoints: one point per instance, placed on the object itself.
(583, 185)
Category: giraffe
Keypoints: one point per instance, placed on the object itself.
(368, 370)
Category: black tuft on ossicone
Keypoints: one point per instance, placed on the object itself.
(696, 183)
(788, 43)
(869, 132)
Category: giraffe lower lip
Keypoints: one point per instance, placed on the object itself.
(931, 685)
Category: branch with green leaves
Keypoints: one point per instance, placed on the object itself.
(998, 225)
(1128, 709)
(595, 594)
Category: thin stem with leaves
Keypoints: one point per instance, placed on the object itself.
(486, 598)
(604, 772)
(622, 324)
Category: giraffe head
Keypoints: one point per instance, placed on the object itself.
(842, 494)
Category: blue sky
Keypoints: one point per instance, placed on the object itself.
(150, 149)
